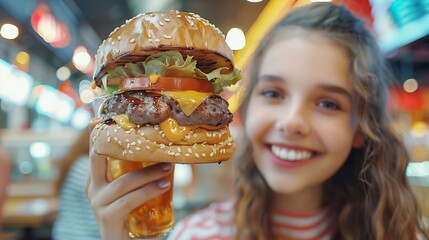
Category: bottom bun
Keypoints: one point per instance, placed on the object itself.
(145, 144)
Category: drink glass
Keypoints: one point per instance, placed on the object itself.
(155, 218)
(152, 220)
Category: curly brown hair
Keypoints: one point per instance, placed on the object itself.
(369, 196)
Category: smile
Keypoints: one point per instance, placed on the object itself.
(290, 154)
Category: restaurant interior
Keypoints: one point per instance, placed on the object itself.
(47, 50)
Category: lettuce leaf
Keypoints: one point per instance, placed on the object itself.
(169, 64)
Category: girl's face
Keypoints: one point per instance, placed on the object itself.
(301, 115)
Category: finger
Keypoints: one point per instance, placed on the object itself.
(88, 185)
(91, 131)
(124, 205)
(133, 180)
(98, 169)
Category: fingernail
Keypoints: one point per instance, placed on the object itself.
(164, 183)
(165, 166)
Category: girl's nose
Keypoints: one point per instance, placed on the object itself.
(293, 121)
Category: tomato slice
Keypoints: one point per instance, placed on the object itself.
(166, 84)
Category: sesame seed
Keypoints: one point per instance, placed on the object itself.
(128, 145)
(195, 145)
(124, 152)
(133, 143)
(115, 130)
(204, 155)
(150, 40)
(178, 149)
(170, 144)
(119, 141)
(141, 133)
(189, 150)
(229, 144)
(187, 154)
(112, 42)
(108, 139)
(156, 127)
(195, 135)
(177, 154)
(132, 40)
(117, 51)
(157, 40)
(167, 37)
(171, 153)
(178, 15)
(211, 154)
(139, 141)
(116, 139)
(119, 38)
(148, 147)
(138, 149)
(161, 146)
(161, 23)
(152, 15)
(127, 140)
(108, 133)
(197, 155)
(163, 135)
(167, 19)
(130, 152)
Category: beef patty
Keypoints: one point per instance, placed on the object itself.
(152, 108)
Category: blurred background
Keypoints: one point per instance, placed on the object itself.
(47, 52)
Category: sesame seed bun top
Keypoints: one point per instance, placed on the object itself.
(149, 33)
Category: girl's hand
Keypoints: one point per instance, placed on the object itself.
(113, 201)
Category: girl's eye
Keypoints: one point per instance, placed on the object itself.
(272, 93)
(328, 104)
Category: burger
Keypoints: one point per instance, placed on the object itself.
(161, 74)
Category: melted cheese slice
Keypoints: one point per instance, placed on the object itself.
(171, 128)
(173, 131)
(123, 121)
(188, 100)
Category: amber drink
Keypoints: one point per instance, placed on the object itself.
(155, 218)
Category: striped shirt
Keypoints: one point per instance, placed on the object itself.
(216, 222)
(75, 219)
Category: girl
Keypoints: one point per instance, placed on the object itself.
(318, 158)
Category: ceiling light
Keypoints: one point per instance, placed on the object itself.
(9, 31)
(81, 58)
(63, 73)
(410, 85)
(235, 39)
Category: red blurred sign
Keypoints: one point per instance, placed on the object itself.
(399, 100)
(52, 30)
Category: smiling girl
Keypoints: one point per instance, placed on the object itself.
(318, 158)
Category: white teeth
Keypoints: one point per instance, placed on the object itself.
(290, 155)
